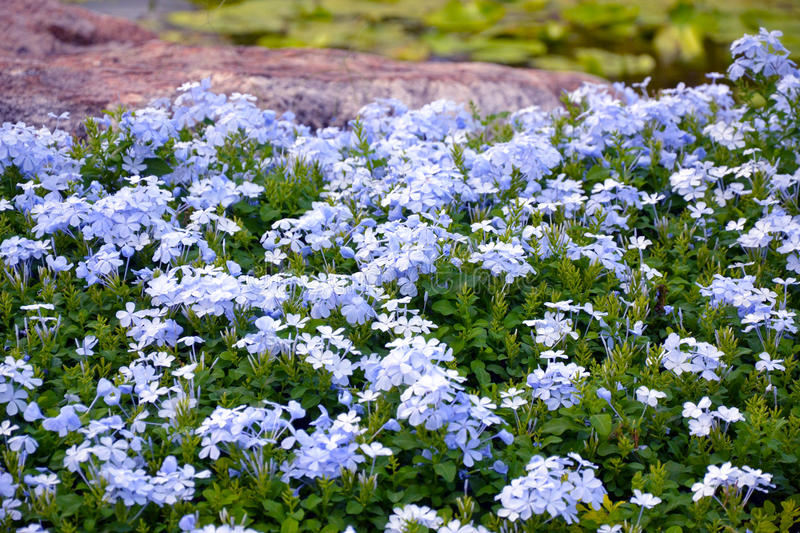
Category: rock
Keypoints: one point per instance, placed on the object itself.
(56, 58)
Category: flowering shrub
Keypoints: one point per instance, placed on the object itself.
(215, 319)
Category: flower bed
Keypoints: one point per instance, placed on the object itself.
(215, 319)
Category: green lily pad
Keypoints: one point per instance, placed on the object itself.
(507, 51)
(378, 10)
(466, 16)
(533, 5)
(556, 62)
(618, 39)
(609, 64)
(447, 45)
(597, 14)
(683, 43)
(251, 17)
(325, 34)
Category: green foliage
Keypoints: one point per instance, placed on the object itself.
(671, 41)
(484, 316)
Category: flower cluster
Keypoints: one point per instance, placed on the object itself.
(731, 479)
(556, 384)
(701, 358)
(702, 420)
(553, 485)
(214, 318)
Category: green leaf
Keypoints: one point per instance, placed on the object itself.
(457, 343)
(405, 441)
(395, 497)
(607, 448)
(311, 501)
(444, 307)
(557, 426)
(417, 492)
(353, 507)
(597, 173)
(156, 167)
(273, 509)
(68, 504)
(647, 454)
(268, 214)
(602, 424)
(447, 470)
(479, 369)
(552, 439)
(290, 525)
(478, 337)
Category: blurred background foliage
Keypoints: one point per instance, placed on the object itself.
(669, 40)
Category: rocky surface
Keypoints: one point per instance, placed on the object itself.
(56, 58)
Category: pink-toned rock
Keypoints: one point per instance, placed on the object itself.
(56, 58)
